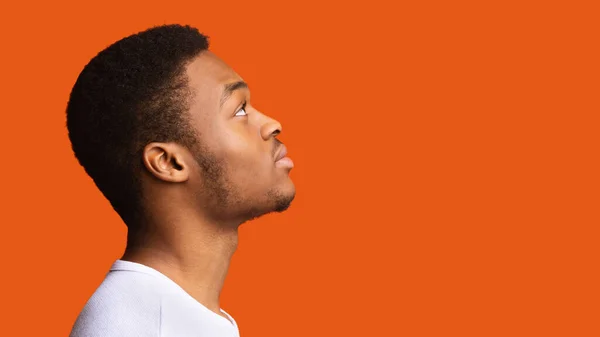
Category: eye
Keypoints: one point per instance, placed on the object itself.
(242, 111)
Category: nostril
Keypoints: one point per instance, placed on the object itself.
(276, 132)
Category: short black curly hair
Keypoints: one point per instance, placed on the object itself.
(130, 94)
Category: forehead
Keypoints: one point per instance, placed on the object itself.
(207, 75)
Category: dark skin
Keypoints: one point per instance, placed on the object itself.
(194, 199)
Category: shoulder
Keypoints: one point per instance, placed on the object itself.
(126, 303)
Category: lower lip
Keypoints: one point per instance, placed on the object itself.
(285, 162)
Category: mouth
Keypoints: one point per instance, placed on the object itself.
(281, 159)
(282, 153)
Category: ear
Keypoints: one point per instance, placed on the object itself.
(166, 161)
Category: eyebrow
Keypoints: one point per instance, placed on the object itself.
(230, 88)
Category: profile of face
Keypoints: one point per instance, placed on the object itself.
(238, 169)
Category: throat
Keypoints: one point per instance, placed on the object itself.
(196, 260)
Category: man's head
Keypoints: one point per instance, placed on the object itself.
(157, 116)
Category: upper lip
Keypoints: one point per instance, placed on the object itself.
(281, 153)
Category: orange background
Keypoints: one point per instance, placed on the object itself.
(446, 165)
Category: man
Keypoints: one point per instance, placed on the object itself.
(167, 132)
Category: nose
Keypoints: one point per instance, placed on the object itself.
(270, 128)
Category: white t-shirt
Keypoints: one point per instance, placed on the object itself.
(136, 300)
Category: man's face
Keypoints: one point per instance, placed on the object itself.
(239, 160)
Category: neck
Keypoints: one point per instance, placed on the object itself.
(191, 252)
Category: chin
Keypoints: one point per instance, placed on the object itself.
(284, 198)
(277, 201)
(284, 204)
(281, 199)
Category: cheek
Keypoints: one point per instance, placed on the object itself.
(238, 145)
(247, 156)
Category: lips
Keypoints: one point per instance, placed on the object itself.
(282, 153)
(281, 160)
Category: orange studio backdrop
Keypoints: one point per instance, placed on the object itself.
(446, 165)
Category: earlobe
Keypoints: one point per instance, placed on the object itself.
(166, 162)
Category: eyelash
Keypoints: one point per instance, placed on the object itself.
(242, 108)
